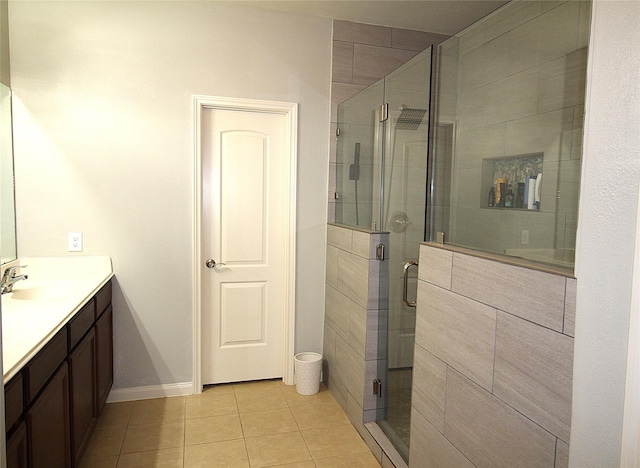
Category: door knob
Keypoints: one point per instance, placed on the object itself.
(211, 263)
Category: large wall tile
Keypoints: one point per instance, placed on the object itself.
(457, 330)
(429, 385)
(489, 432)
(351, 370)
(361, 33)
(562, 82)
(533, 372)
(570, 307)
(529, 294)
(435, 266)
(339, 237)
(360, 244)
(414, 40)
(539, 134)
(342, 64)
(358, 329)
(370, 63)
(331, 272)
(433, 450)
(340, 92)
(562, 455)
(337, 311)
(353, 277)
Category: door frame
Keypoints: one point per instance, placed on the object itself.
(290, 111)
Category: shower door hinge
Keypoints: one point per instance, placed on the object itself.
(384, 112)
(377, 388)
(380, 252)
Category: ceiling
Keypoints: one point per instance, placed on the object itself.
(438, 16)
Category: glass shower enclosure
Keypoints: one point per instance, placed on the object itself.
(381, 181)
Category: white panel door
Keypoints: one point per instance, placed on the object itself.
(244, 190)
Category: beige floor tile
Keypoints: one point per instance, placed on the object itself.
(295, 399)
(156, 458)
(316, 415)
(213, 429)
(116, 414)
(260, 399)
(354, 460)
(143, 437)
(99, 462)
(210, 404)
(105, 441)
(227, 454)
(340, 440)
(302, 464)
(257, 386)
(158, 410)
(277, 449)
(268, 422)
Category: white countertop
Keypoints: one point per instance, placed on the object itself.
(41, 305)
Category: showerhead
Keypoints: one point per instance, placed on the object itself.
(410, 119)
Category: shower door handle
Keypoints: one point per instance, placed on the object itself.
(405, 281)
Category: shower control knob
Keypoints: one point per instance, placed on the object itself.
(211, 263)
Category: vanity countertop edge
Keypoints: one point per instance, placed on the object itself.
(28, 325)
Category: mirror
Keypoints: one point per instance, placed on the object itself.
(8, 247)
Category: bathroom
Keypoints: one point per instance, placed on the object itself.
(106, 108)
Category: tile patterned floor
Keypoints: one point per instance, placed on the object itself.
(255, 424)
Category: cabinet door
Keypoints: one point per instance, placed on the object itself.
(48, 427)
(104, 362)
(17, 448)
(83, 393)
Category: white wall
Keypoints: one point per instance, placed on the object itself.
(104, 146)
(607, 225)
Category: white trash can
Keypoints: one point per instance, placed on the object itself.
(307, 368)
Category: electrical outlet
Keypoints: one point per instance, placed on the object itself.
(524, 237)
(75, 242)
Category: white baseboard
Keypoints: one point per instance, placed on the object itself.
(150, 391)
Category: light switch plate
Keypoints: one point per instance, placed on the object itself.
(75, 242)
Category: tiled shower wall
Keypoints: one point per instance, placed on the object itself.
(493, 363)
(514, 84)
(353, 304)
(362, 55)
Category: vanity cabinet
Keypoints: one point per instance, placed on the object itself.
(53, 402)
(17, 447)
(82, 367)
(48, 424)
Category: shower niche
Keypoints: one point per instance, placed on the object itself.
(512, 182)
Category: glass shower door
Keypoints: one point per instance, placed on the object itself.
(404, 175)
(381, 185)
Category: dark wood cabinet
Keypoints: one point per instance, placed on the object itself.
(104, 356)
(53, 402)
(17, 448)
(84, 410)
(48, 424)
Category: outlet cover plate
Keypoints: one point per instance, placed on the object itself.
(75, 242)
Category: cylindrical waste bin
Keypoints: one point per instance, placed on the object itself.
(307, 368)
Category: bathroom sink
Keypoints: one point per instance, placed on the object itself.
(40, 292)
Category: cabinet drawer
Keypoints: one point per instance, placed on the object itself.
(13, 401)
(103, 299)
(80, 323)
(44, 364)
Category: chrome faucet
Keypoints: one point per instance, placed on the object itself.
(9, 278)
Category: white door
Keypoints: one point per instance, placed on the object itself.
(245, 189)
